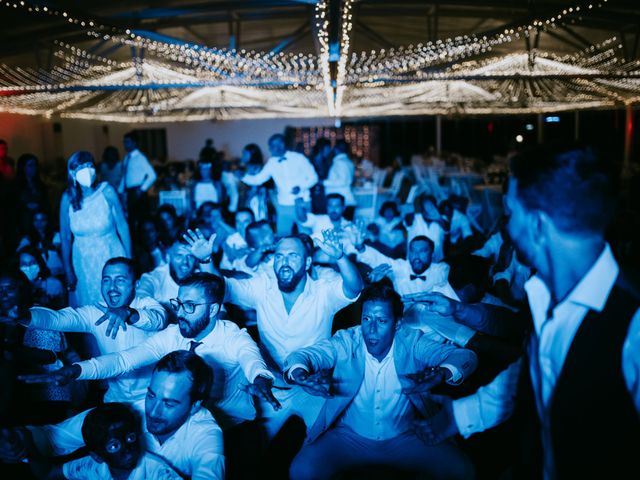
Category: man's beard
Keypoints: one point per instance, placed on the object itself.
(290, 284)
(419, 267)
(174, 275)
(192, 330)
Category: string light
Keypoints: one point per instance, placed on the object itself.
(186, 81)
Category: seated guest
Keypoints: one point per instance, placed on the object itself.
(177, 428)
(162, 282)
(390, 233)
(414, 275)
(113, 436)
(340, 176)
(428, 222)
(293, 310)
(260, 239)
(379, 386)
(235, 245)
(42, 236)
(229, 351)
(205, 188)
(169, 224)
(332, 220)
(47, 290)
(139, 318)
(148, 250)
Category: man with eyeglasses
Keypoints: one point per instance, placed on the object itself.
(138, 317)
(176, 429)
(239, 370)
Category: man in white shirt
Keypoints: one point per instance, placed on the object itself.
(177, 428)
(428, 222)
(341, 174)
(137, 178)
(376, 380)
(239, 370)
(138, 317)
(162, 282)
(293, 175)
(318, 223)
(578, 397)
(415, 275)
(294, 310)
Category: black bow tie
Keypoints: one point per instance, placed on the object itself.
(193, 345)
(282, 159)
(421, 277)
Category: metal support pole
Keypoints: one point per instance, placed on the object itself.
(438, 134)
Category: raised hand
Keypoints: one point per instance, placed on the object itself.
(262, 388)
(117, 318)
(424, 381)
(440, 426)
(434, 302)
(317, 384)
(331, 244)
(62, 376)
(379, 272)
(200, 247)
(357, 232)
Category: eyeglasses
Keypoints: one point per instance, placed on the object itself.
(189, 307)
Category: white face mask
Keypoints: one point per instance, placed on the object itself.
(31, 271)
(86, 176)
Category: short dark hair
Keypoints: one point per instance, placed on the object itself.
(341, 146)
(120, 261)
(389, 205)
(210, 204)
(212, 285)
(423, 238)
(335, 195)
(254, 226)
(255, 154)
(276, 136)
(572, 184)
(95, 427)
(381, 292)
(132, 135)
(184, 361)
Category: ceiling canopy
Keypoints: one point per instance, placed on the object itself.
(126, 61)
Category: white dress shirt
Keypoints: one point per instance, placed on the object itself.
(340, 178)
(230, 351)
(138, 171)
(460, 227)
(149, 466)
(195, 450)
(380, 410)
(436, 277)
(309, 320)
(493, 403)
(432, 230)
(294, 171)
(158, 284)
(152, 318)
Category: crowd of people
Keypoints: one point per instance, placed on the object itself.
(270, 329)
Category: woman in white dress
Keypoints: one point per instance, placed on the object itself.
(93, 228)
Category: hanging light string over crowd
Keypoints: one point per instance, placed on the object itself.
(183, 81)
